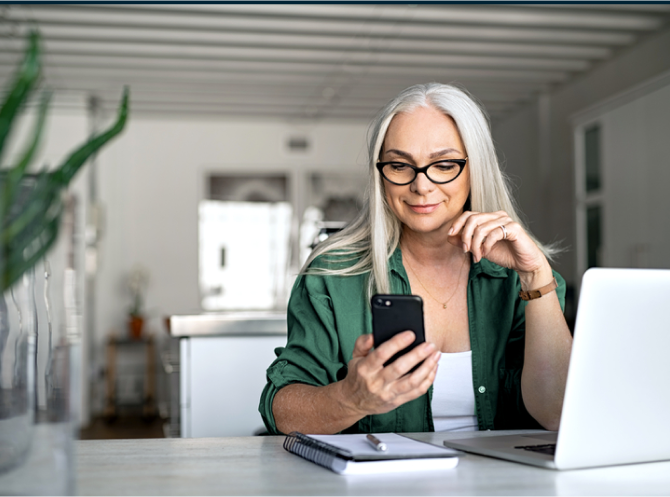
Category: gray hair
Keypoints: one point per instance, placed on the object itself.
(371, 238)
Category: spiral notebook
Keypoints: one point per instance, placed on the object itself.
(352, 454)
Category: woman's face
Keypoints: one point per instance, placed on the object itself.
(421, 137)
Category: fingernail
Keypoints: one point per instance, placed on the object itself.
(465, 248)
(451, 230)
(437, 355)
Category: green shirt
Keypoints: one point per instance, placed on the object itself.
(327, 313)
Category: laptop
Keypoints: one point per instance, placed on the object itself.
(617, 399)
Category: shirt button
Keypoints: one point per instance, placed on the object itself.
(482, 389)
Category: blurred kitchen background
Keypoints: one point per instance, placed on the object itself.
(246, 143)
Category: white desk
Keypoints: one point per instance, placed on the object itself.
(260, 466)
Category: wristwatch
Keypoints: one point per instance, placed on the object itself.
(536, 294)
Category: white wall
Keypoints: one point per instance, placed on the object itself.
(635, 178)
(517, 143)
(151, 181)
(550, 203)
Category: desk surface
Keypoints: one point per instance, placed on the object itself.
(260, 466)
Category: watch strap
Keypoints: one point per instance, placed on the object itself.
(536, 294)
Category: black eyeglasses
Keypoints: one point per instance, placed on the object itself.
(440, 172)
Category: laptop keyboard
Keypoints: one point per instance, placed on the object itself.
(542, 449)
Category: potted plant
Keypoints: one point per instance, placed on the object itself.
(137, 282)
(29, 222)
(31, 207)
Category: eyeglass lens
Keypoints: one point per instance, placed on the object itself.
(440, 172)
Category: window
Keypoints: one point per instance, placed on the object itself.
(593, 236)
(249, 244)
(589, 194)
(244, 228)
(592, 158)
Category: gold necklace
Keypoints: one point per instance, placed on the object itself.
(443, 304)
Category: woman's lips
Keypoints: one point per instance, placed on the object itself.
(423, 209)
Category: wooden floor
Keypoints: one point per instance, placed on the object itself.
(123, 427)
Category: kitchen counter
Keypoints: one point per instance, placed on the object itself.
(258, 323)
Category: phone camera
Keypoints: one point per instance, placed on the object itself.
(380, 302)
(387, 303)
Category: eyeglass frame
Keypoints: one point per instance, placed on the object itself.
(460, 162)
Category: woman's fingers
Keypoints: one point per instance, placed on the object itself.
(363, 345)
(497, 234)
(391, 347)
(487, 231)
(479, 232)
(374, 388)
(467, 226)
(403, 364)
(414, 385)
(455, 235)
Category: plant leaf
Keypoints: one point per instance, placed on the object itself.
(25, 80)
(13, 268)
(72, 164)
(30, 211)
(37, 207)
(14, 175)
(38, 129)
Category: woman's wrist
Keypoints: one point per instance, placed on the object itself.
(532, 280)
(346, 401)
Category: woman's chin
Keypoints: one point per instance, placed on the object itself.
(426, 226)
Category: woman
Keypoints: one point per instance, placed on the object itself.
(439, 223)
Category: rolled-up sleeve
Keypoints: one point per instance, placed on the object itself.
(312, 354)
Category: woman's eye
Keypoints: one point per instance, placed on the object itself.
(398, 167)
(445, 166)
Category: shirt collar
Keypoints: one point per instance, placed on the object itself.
(395, 262)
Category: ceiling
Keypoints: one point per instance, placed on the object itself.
(316, 62)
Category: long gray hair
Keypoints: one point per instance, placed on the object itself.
(371, 238)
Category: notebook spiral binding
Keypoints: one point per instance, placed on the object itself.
(318, 452)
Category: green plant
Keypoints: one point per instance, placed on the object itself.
(137, 282)
(30, 203)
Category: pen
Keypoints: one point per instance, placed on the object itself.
(376, 443)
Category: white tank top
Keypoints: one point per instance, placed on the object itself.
(453, 401)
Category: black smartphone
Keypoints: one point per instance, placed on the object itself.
(393, 314)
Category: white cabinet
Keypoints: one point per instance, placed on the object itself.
(221, 380)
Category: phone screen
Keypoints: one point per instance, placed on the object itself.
(393, 314)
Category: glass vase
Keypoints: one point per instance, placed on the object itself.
(40, 354)
(17, 369)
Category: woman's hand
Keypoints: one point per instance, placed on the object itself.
(481, 234)
(371, 388)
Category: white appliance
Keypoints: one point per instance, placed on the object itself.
(222, 363)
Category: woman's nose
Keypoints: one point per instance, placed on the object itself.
(421, 184)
